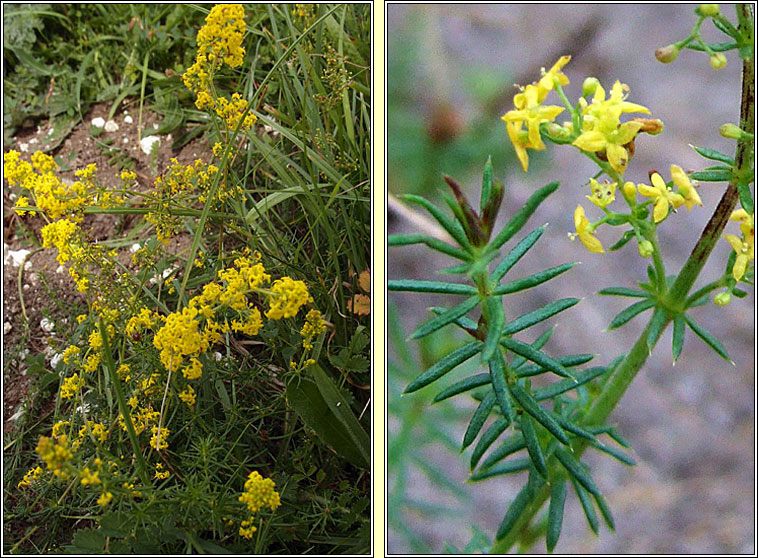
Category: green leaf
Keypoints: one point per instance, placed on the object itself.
(493, 308)
(538, 343)
(575, 470)
(678, 337)
(709, 339)
(714, 155)
(574, 428)
(533, 446)
(712, 176)
(548, 311)
(582, 377)
(523, 214)
(472, 382)
(726, 27)
(715, 47)
(500, 386)
(555, 514)
(324, 409)
(565, 360)
(487, 439)
(411, 285)
(431, 242)
(538, 357)
(587, 506)
(522, 500)
(87, 541)
(452, 227)
(513, 466)
(542, 416)
(746, 196)
(463, 322)
(630, 312)
(621, 242)
(605, 511)
(486, 183)
(623, 291)
(448, 317)
(531, 280)
(515, 255)
(657, 325)
(510, 446)
(478, 419)
(618, 454)
(444, 365)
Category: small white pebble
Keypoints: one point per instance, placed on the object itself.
(24, 147)
(60, 269)
(28, 265)
(15, 256)
(50, 131)
(33, 141)
(135, 247)
(33, 278)
(128, 119)
(98, 122)
(23, 353)
(7, 326)
(47, 325)
(125, 140)
(55, 359)
(217, 355)
(147, 142)
(111, 126)
(13, 196)
(169, 137)
(156, 126)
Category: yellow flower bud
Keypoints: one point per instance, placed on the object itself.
(630, 190)
(718, 61)
(708, 10)
(645, 248)
(730, 131)
(589, 86)
(667, 54)
(722, 299)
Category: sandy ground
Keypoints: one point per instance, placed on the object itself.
(692, 426)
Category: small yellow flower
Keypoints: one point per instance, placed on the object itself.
(602, 194)
(105, 499)
(585, 232)
(662, 195)
(685, 187)
(744, 247)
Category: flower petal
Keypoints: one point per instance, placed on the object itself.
(591, 141)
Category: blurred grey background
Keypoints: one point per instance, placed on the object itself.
(451, 70)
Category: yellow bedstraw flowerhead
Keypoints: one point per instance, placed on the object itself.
(602, 130)
(662, 195)
(530, 112)
(685, 187)
(585, 232)
(744, 247)
(602, 194)
(259, 492)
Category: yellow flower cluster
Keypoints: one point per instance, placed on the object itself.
(188, 396)
(89, 477)
(145, 319)
(140, 420)
(99, 431)
(155, 443)
(287, 296)
(744, 247)
(56, 454)
(30, 476)
(231, 112)
(259, 492)
(160, 474)
(71, 386)
(60, 234)
(314, 325)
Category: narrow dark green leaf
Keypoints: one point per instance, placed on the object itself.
(624, 291)
(657, 325)
(514, 512)
(746, 196)
(565, 360)
(523, 214)
(726, 27)
(533, 446)
(444, 365)
(487, 439)
(463, 322)
(493, 306)
(611, 431)
(486, 184)
(651, 276)
(467, 218)
(621, 242)
(513, 466)
(515, 255)
(715, 47)
(709, 339)
(566, 424)
(411, 285)
(555, 514)
(510, 446)
(605, 511)
(630, 312)
(714, 155)
(452, 227)
(431, 242)
(531, 280)
(678, 338)
(538, 357)
(618, 454)
(575, 469)
(530, 318)
(477, 421)
(499, 384)
(587, 505)
(542, 416)
(537, 344)
(712, 176)
(446, 318)
(582, 376)
(472, 382)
